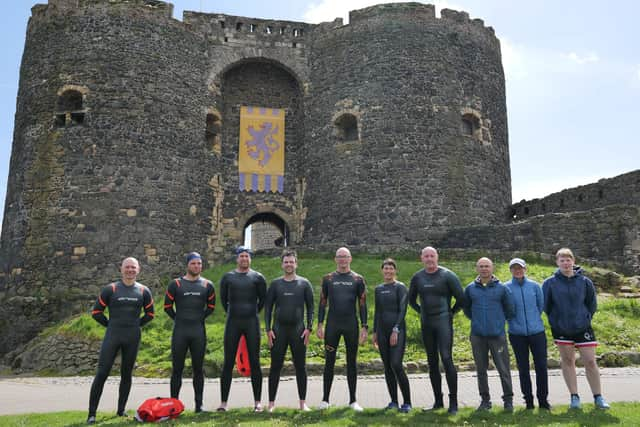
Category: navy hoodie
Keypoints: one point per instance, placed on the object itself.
(569, 302)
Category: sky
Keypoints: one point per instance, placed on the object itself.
(572, 78)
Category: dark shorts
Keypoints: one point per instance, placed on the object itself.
(583, 339)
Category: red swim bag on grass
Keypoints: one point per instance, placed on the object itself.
(242, 357)
(159, 409)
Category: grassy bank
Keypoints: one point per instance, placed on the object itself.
(620, 414)
(616, 324)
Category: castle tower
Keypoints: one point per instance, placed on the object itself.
(408, 118)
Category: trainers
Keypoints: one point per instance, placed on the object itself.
(324, 405)
(544, 404)
(258, 408)
(601, 403)
(305, 408)
(508, 406)
(91, 420)
(453, 406)
(575, 402)
(355, 407)
(392, 405)
(485, 405)
(405, 408)
(436, 405)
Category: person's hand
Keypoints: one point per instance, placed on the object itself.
(270, 337)
(374, 340)
(393, 340)
(320, 331)
(363, 335)
(305, 336)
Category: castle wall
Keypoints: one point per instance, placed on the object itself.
(408, 78)
(623, 189)
(608, 235)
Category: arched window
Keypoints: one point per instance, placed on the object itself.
(347, 127)
(70, 109)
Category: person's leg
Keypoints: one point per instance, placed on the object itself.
(568, 365)
(253, 347)
(500, 354)
(588, 357)
(197, 349)
(445, 347)
(277, 359)
(480, 350)
(396, 354)
(389, 376)
(108, 352)
(429, 339)
(331, 340)
(230, 342)
(351, 336)
(299, 356)
(538, 345)
(178, 355)
(129, 352)
(520, 346)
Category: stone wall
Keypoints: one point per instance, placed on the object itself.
(620, 190)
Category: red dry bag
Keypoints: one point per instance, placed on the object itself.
(242, 358)
(159, 409)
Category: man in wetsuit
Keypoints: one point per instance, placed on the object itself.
(436, 286)
(242, 292)
(289, 295)
(124, 299)
(194, 299)
(341, 289)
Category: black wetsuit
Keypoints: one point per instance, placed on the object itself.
(123, 333)
(290, 299)
(341, 291)
(436, 317)
(242, 296)
(194, 301)
(390, 311)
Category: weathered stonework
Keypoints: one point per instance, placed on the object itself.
(126, 144)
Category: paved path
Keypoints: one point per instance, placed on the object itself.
(22, 394)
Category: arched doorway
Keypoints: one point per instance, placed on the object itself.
(266, 230)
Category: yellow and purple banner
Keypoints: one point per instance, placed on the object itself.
(261, 151)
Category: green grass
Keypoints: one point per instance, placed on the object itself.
(626, 414)
(616, 324)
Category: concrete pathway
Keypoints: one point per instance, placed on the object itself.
(35, 394)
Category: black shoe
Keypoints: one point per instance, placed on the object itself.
(485, 405)
(544, 404)
(529, 403)
(91, 419)
(508, 406)
(453, 405)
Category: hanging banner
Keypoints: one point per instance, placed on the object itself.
(261, 150)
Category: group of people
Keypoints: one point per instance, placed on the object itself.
(568, 298)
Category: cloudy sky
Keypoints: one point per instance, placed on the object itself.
(572, 70)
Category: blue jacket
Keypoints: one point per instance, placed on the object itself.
(569, 302)
(529, 304)
(488, 307)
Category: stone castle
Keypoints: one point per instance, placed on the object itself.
(126, 143)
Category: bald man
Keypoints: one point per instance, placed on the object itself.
(489, 304)
(125, 299)
(342, 290)
(436, 285)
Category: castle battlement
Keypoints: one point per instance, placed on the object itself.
(157, 7)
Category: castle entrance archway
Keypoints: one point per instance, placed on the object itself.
(266, 230)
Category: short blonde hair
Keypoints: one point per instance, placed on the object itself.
(565, 252)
